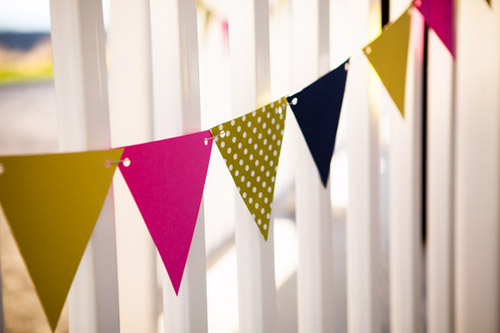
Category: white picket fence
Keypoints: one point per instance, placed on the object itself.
(151, 90)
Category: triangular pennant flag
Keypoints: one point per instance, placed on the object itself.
(317, 110)
(388, 55)
(166, 179)
(440, 16)
(52, 203)
(250, 146)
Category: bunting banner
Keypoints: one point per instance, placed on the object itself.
(439, 15)
(166, 179)
(317, 110)
(52, 203)
(251, 146)
(388, 55)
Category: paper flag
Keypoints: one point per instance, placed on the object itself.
(250, 146)
(388, 55)
(166, 179)
(439, 15)
(52, 203)
(317, 110)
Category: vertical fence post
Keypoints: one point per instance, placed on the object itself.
(176, 56)
(405, 186)
(343, 17)
(477, 160)
(311, 55)
(250, 83)
(130, 89)
(362, 224)
(440, 95)
(80, 76)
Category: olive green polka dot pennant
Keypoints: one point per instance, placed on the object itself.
(250, 146)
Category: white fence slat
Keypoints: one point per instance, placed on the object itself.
(130, 89)
(405, 186)
(341, 17)
(362, 223)
(78, 42)
(166, 70)
(186, 312)
(477, 160)
(310, 21)
(250, 84)
(440, 120)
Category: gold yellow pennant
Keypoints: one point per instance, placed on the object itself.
(388, 55)
(52, 203)
(250, 146)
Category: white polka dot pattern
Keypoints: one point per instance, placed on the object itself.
(251, 148)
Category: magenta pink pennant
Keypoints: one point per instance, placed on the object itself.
(166, 179)
(440, 17)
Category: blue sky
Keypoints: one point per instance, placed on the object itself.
(28, 15)
(25, 15)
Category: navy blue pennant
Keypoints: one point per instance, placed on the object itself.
(317, 110)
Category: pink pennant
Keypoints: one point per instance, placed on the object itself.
(166, 179)
(440, 16)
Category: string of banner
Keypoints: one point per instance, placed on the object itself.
(52, 222)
